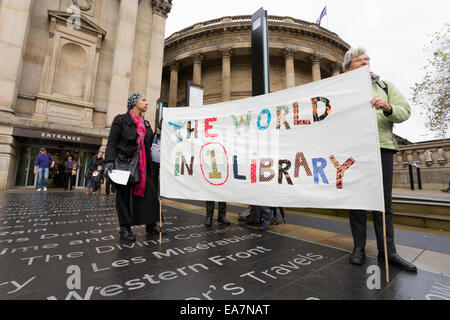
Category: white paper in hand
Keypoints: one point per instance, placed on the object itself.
(120, 176)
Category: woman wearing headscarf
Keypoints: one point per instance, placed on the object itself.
(136, 204)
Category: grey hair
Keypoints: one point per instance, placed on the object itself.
(352, 53)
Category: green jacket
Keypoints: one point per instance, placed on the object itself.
(401, 111)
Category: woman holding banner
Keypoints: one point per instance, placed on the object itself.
(391, 107)
(130, 134)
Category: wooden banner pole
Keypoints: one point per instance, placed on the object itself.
(385, 248)
(160, 221)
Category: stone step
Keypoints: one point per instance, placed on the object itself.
(423, 206)
(416, 219)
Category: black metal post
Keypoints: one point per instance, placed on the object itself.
(260, 53)
(411, 178)
(419, 178)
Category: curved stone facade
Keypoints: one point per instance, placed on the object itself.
(217, 55)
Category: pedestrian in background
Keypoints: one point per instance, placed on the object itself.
(44, 162)
(97, 179)
(70, 167)
(92, 166)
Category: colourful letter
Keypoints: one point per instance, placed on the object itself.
(265, 166)
(177, 126)
(318, 165)
(269, 118)
(208, 127)
(190, 130)
(235, 169)
(214, 174)
(282, 117)
(177, 165)
(327, 110)
(189, 168)
(296, 120)
(301, 161)
(341, 169)
(239, 123)
(284, 170)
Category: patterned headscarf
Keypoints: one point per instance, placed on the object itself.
(133, 99)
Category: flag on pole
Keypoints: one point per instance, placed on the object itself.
(324, 12)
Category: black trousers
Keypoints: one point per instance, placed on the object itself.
(210, 208)
(68, 180)
(358, 218)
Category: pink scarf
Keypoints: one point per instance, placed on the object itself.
(139, 188)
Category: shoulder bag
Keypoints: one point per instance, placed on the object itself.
(129, 164)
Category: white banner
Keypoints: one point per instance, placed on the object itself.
(312, 146)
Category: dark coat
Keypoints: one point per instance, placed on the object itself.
(133, 210)
(69, 166)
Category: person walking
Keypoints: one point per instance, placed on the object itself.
(131, 134)
(70, 167)
(42, 165)
(391, 107)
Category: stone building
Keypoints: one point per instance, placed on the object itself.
(217, 55)
(67, 68)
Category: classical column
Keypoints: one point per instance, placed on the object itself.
(155, 64)
(421, 156)
(173, 86)
(123, 58)
(434, 157)
(335, 68)
(226, 74)
(447, 156)
(197, 68)
(315, 59)
(290, 72)
(15, 19)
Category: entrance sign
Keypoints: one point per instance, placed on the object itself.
(313, 146)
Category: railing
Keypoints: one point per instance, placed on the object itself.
(427, 154)
(247, 19)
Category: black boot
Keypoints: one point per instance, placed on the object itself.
(154, 229)
(126, 234)
(221, 219)
(358, 224)
(209, 219)
(393, 257)
(222, 213)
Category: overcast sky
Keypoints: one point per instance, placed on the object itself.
(394, 32)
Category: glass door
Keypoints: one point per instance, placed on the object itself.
(25, 176)
(83, 162)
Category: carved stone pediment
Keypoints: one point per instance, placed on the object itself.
(78, 20)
